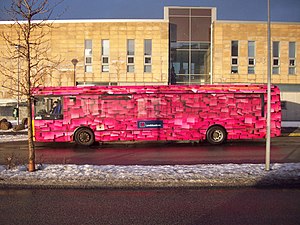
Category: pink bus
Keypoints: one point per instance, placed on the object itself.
(216, 113)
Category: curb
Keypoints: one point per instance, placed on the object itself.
(13, 132)
(54, 184)
(290, 135)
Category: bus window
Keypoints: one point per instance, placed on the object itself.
(48, 108)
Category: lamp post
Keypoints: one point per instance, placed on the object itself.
(74, 62)
(18, 81)
(18, 47)
(268, 135)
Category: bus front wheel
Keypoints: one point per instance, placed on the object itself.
(216, 135)
(84, 136)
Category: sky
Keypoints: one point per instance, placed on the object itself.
(245, 10)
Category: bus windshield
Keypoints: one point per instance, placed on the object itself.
(48, 108)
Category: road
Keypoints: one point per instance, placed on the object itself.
(284, 150)
(164, 206)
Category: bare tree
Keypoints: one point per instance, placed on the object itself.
(27, 41)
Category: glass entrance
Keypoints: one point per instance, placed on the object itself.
(190, 45)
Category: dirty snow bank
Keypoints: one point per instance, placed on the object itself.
(13, 137)
(153, 176)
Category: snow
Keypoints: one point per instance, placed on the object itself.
(10, 135)
(153, 176)
(16, 137)
(201, 175)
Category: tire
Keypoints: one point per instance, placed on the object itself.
(84, 136)
(216, 135)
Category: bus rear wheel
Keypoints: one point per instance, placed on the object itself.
(216, 135)
(84, 136)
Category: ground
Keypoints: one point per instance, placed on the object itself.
(204, 175)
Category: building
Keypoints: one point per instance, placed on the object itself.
(188, 46)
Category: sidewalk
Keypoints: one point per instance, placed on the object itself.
(290, 128)
(113, 176)
(290, 131)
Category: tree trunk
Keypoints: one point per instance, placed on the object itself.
(31, 164)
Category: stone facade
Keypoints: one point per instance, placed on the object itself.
(226, 31)
(67, 42)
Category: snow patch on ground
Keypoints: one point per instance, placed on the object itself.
(12, 137)
(154, 176)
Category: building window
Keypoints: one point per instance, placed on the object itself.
(276, 59)
(234, 56)
(88, 55)
(105, 55)
(130, 56)
(251, 57)
(147, 56)
(292, 58)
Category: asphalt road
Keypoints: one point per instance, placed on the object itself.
(164, 206)
(284, 150)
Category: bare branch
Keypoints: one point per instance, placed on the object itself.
(27, 53)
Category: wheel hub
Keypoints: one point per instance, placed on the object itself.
(217, 135)
(84, 137)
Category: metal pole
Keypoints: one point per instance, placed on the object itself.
(74, 74)
(18, 103)
(18, 80)
(268, 139)
(211, 53)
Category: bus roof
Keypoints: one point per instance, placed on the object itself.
(182, 89)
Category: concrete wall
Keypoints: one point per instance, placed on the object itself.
(290, 99)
